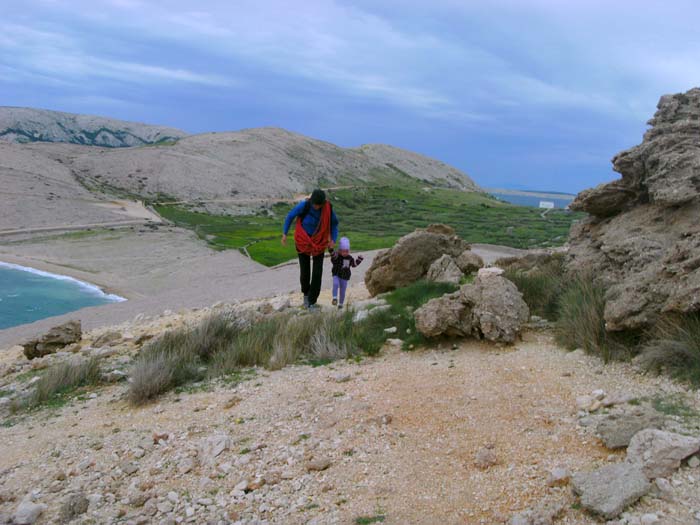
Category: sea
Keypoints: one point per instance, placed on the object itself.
(523, 199)
(27, 295)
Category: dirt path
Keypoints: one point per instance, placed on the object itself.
(400, 433)
(135, 213)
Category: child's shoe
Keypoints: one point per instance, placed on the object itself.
(340, 307)
(335, 301)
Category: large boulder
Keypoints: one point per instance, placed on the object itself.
(659, 453)
(445, 270)
(53, 340)
(411, 257)
(491, 307)
(642, 239)
(469, 262)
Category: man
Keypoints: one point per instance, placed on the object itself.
(316, 229)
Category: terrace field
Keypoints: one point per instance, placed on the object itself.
(376, 216)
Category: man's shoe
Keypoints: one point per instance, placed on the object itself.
(314, 308)
(335, 301)
(306, 301)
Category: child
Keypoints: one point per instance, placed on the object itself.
(342, 262)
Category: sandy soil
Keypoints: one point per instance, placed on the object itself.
(163, 269)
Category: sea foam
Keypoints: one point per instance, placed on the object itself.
(88, 287)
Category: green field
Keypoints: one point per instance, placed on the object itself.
(376, 216)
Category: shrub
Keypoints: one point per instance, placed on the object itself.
(63, 378)
(541, 286)
(674, 347)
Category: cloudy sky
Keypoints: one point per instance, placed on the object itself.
(535, 94)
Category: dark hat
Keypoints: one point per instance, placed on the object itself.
(318, 197)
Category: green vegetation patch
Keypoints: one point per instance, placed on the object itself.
(375, 216)
(222, 346)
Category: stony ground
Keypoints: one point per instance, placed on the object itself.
(392, 439)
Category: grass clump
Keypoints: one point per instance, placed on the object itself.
(63, 379)
(542, 286)
(673, 346)
(222, 347)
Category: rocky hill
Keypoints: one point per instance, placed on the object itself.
(25, 125)
(256, 163)
(643, 235)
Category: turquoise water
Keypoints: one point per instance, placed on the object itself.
(27, 295)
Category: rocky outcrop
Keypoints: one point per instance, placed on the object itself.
(41, 125)
(490, 308)
(410, 259)
(445, 270)
(643, 236)
(53, 340)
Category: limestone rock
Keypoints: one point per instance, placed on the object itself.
(616, 430)
(317, 465)
(411, 257)
(27, 513)
(444, 270)
(491, 307)
(643, 236)
(469, 262)
(73, 506)
(53, 340)
(544, 513)
(211, 447)
(659, 453)
(610, 489)
(485, 458)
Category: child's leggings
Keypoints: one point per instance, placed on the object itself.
(342, 284)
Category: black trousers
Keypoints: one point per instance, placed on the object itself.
(311, 279)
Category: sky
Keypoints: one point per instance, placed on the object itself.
(520, 94)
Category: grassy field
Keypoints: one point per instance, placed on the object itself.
(376, 216)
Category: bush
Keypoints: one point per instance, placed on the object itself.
(541, 286)
(674, 347)
(64, 378)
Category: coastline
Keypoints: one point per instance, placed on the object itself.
(87, 286)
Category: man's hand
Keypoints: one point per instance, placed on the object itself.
(284, 239)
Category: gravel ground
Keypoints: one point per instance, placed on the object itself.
(394, 436)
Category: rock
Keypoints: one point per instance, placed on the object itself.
(558, 476)
(391, 330)
(341, 378)
(491, 307)
(73, 506)
(317, 465)
(411, 257)
(585, 402)
(469, 262)
(649, 519)
(129, 467)
(616, 430)
(485, 458)
(642, 237)
(444, 270)
(610, 489)
(694, 462)
(544, 513)
(659, 453)
(108, 339)
(27, 513)
(211, 447)
(53, 340)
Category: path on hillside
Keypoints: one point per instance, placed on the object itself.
(135, 213)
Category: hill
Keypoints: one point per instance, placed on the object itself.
(23, 125)
(255, 164)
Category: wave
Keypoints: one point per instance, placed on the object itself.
(88, 287)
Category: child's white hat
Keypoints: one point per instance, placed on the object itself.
(344, 243)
